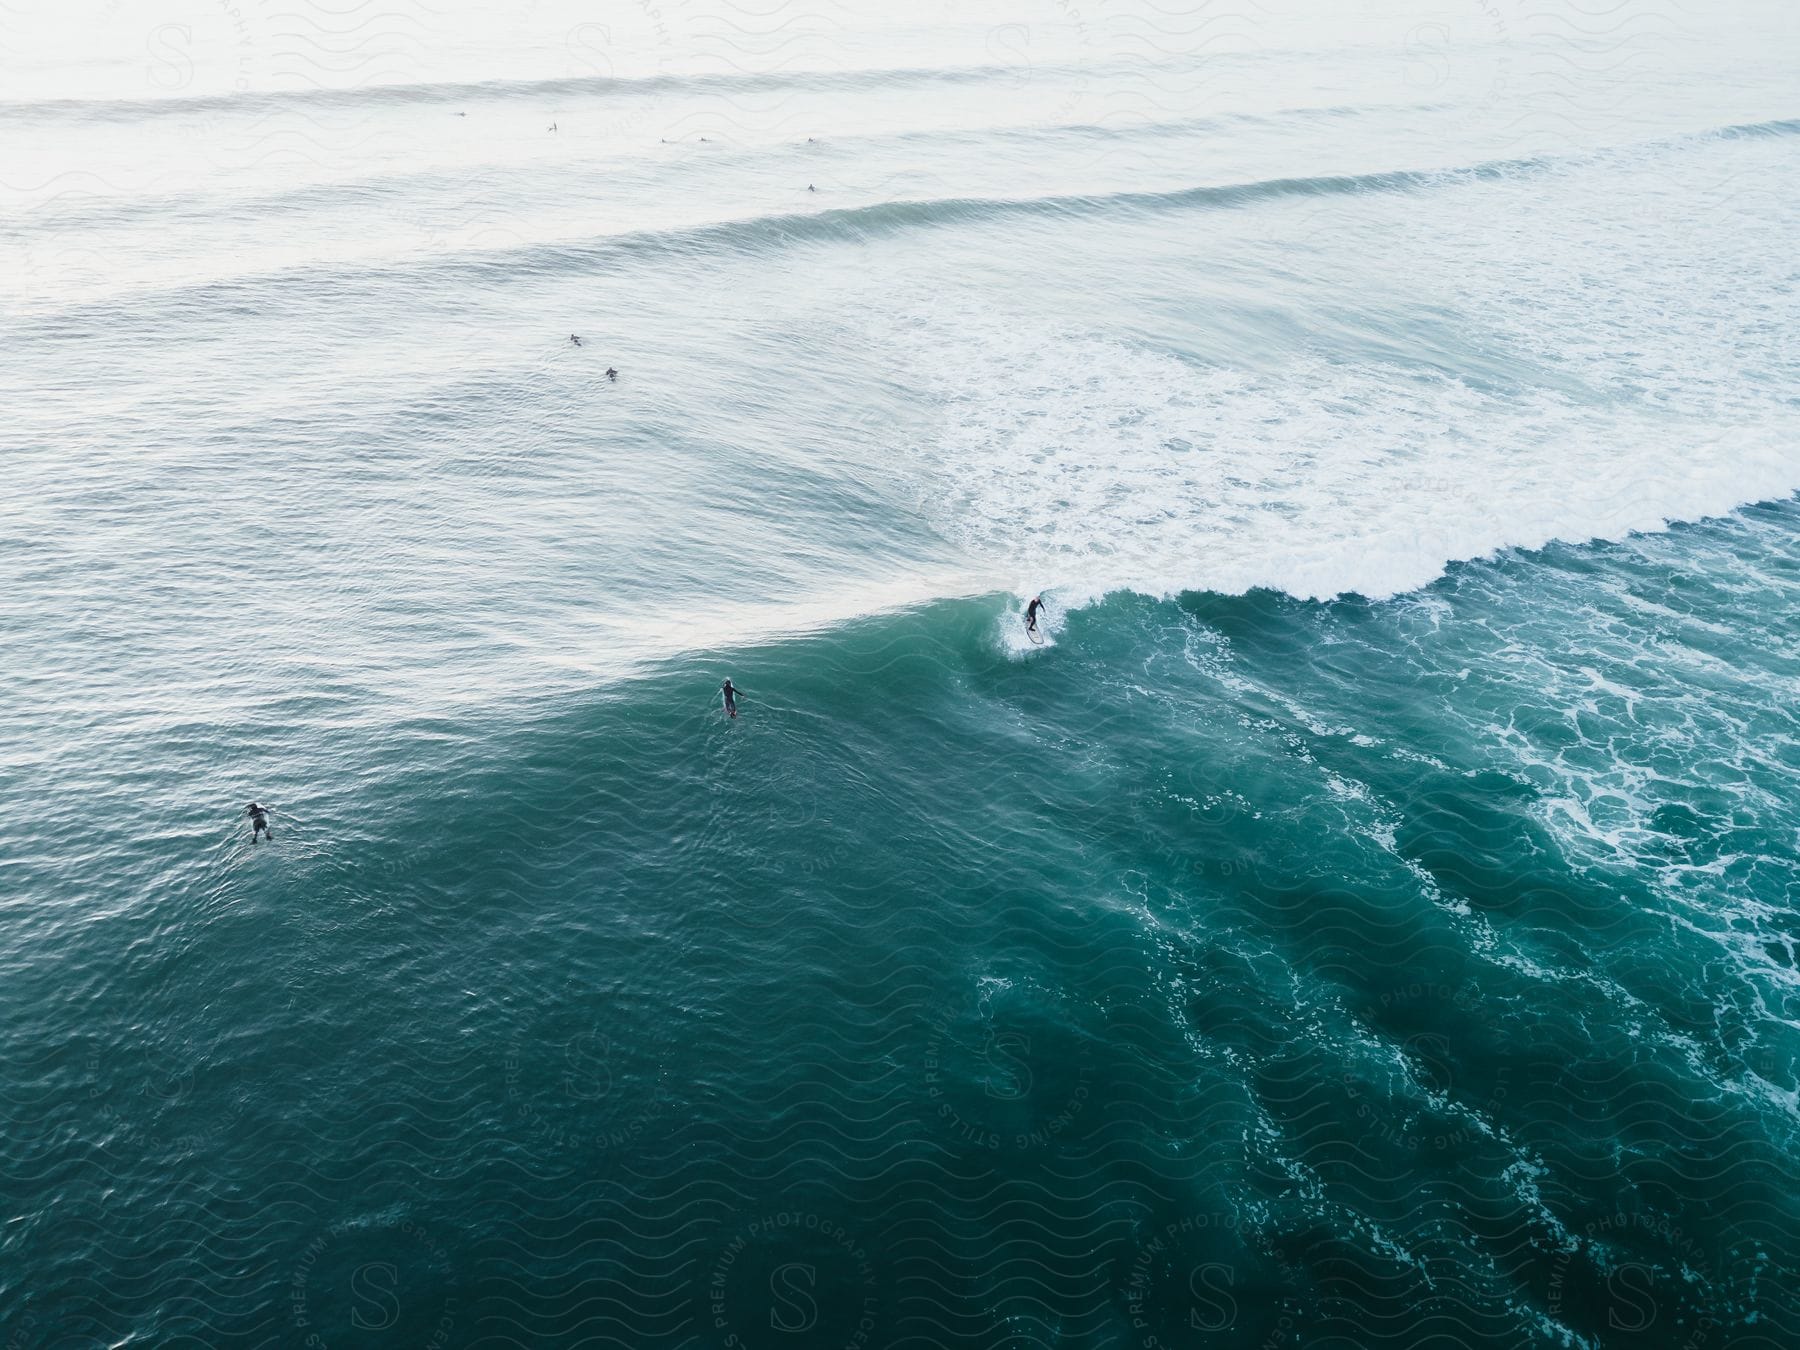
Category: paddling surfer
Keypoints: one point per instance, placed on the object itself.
(730, 698)
(259, 822)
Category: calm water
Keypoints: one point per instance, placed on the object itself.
(1370, 917)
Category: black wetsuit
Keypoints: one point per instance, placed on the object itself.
(1031, 614)
(259, 822)
(730, 698)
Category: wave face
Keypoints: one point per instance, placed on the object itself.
(1366, 913)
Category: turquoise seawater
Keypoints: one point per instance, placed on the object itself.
(1369, 918)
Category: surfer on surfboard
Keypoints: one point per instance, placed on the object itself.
(730, 698)
(1031, 614)
(259, 822)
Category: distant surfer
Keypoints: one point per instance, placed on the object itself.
(611, 374)
(811, 188)
(730, 698)
(259, 822)
(1031, 614)
(574, 339)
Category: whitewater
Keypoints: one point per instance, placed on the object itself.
(1368, 917)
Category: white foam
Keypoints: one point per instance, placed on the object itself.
(1010, 634)
(1093, 463)
(1094, 466)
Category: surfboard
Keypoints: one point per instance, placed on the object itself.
(1036, 637)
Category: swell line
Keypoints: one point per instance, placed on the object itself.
(1783, 126)
(761, 234)
(96, 210)
(452, 93)
(875, 219)
(856, 224)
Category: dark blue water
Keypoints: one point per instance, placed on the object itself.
(1368, 918)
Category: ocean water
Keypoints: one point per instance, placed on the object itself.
(1369, 918)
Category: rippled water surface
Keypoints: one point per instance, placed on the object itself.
(1368, 917)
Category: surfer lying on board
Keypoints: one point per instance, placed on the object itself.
(730, 698)
(259, 822)
(1031, 613)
